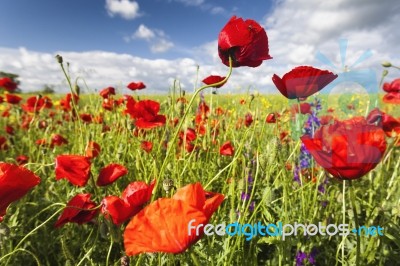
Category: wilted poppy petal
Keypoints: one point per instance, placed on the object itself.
(78, 210)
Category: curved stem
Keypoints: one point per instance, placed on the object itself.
(182, 120)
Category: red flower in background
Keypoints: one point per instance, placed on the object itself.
(13, 99)
(389, 124)
(8, 84)
(146, 114)
(74, 168)
(37, 103)
(79, 210)
(392, 97)
(248, 120)
(3, 143)
(105, 93)
(58, 140)
(110, 173)
(347, 149)
(226, 149)
(214, 79)
(271, 118)
(303, 81)
(92, 150)
(66, 103)
(136, 86)
(245, 41)
(162, 225)
(305, 108)
(394, 86)
(15, 182)
(22, 159)
(147, 146)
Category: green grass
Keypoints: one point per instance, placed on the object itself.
(33, 240)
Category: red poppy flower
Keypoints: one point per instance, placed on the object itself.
(78, 210)
(108, 104)
(163, 225)
(248, 120)
(326, 119)
(227, 149)
(138, 193)
(15, 182)
(147, 146)
(245, 41)
(87, 118)
(305, 108)
(13, 99)
(392, 97)
(9, 130)
(118, 209)
(188, 135)
(146, 114)
(214, 79)
(110, 173)
(36, 103)
(394, 86)
(66, 103)
(105, 93)
(3, 143)
(347, 149)
(92, 150)
(74, 168)
(303, 81)
(58, 140)
(389, 124)
(271, 118)
(8, 84)
(136, 86)
(22, 159)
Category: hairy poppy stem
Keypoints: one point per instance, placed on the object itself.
(182, 120)
(353, 204)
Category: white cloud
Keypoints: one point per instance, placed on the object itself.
(156, 38)
(161, 46)
(144, 33)
(125, 8)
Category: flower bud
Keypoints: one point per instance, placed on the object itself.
(386, 64)
(59, 59)
(384, 73)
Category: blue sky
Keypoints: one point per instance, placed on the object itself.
(83, 25)
(115, 42)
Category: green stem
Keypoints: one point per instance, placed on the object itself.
(353, 203)
(344, 216)
(182, 120)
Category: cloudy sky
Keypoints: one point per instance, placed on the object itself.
(114, 42)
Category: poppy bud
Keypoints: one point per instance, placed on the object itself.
(168, 184)
(386, 64)
(384, 73)
(59, 59)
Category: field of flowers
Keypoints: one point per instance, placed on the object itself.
(108, 179)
